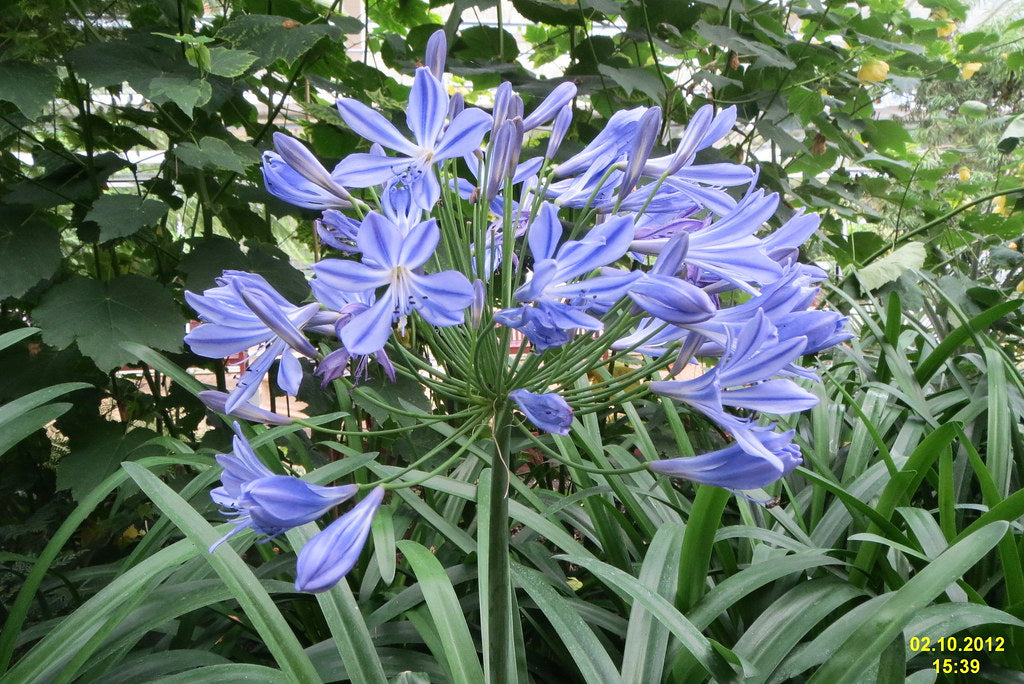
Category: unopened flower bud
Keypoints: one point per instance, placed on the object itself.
(476, 308)
(437, 51)
(558, 130)
(557, 99)
(646, 134)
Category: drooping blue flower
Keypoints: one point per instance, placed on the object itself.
(783, 245)
(550, 412)
(743, 379)
(556, 301)
(727, 249)
(536, 325)
(736, 468)
(425, 115)
(333, 366)
(267, 503)
(338, 231)
(244, 311)
(786, 303)
(668, 298)
(332, 553)
(393, 261)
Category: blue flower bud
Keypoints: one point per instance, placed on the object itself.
(331, 554)
(646, 135)
(735, 467)
(437, 51)
(549, 412)
(557, 100)
(217, 401)
(558, 131)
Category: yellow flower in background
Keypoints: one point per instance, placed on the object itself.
(1013, 246)
(943, 15)
(964, 173)
(999, 206)
(873, 71)
(1020, 286)
(969, 69)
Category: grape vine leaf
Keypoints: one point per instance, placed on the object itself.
(28, 253)
(119, 216)
(272, 38)
(29, 86)
(99, 316)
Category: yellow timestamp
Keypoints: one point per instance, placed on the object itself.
(957, 665)
(952, 644)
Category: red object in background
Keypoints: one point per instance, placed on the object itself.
(515, 341)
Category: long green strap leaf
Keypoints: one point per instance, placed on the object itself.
(645, 651)
(28, 422)
(878, 631)
(239, 578)
(443, 604)
(684, 630)
(23, 601)
(585, 648)
(927, 368)
(344, 619)
(15, 336)
(19, 406)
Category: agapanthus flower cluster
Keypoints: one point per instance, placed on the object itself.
(469, 230)
(270, 505)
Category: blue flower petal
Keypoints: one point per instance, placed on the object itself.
(544, 233)
(361, 170)
(419, 244)
(428, 107)
(442, 297)
(369, 331)
(463, 135)
(374, 127)
(349, 276)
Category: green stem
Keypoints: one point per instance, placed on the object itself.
(705, 516)
(498, 582)
(940, 220)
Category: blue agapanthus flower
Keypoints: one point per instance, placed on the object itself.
(267, 503)
(736, 468)
(561, 298)
(434, 141)
(723, 290)
(392, 260)
(744, 379)
(242, 312)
